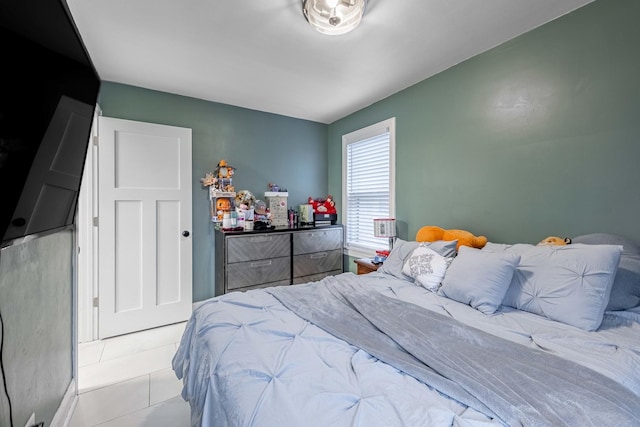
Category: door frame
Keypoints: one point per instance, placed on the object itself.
(87, 314)
(87, 317)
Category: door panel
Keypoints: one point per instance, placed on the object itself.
(144, 207)
(128, 256)
(168, 243)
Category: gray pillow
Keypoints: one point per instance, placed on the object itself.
(629, 247)
(570, 284)
(403, 249)
(625, 293)
(479, 278)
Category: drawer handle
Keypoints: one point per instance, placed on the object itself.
(261, 239)
(319, 255)
(261, 263)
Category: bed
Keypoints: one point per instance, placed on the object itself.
(439, 336)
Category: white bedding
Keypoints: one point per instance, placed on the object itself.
(246, 360)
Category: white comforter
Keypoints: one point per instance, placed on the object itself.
(248, 361)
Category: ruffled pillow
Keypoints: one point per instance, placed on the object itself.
(426, 267)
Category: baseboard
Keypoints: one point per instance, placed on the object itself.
(62, 417)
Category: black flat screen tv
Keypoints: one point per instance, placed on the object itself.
(48, 93)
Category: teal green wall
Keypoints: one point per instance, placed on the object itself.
(263, 147)
(539, 136)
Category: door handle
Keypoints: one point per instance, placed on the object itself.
(185, 233)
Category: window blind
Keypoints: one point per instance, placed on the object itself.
(368, 189)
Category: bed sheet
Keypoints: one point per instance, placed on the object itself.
(248, 361)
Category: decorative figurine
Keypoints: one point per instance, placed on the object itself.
(223, 204)
(224, 174)
(223, 170)
(208, 180)
(245, 197)
(220, 178)
(276, 188)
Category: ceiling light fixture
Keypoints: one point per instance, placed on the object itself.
(333, 17)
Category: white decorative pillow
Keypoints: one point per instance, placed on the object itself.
(427, 267)
(402, 250)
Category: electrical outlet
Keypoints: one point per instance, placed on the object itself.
(32, 420)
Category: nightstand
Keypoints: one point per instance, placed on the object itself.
(366, 266)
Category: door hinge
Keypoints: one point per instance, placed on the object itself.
(95, 221)
(95, 302)
(95, 141)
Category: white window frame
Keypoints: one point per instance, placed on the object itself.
(389, 125)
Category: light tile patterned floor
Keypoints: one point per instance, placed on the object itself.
(127, 381)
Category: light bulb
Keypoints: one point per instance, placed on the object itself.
(333, 17)
(334, 20)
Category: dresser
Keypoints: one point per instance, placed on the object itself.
(254, 259)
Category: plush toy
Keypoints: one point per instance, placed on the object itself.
(431, 233)
(326, 205)
(554, 240)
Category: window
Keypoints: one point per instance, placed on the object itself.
(368, 185)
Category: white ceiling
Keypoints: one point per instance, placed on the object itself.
(262, 54)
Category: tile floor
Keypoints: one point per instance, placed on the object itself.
(127, 381)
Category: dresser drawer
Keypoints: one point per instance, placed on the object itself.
(258, 246)
(317, 262)
(259, 272)
(305, 242)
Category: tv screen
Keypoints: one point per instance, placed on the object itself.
(48, 94)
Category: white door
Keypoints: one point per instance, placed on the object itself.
(144, 226)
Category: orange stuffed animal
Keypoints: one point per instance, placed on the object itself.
(554, 240)
(431, 233)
